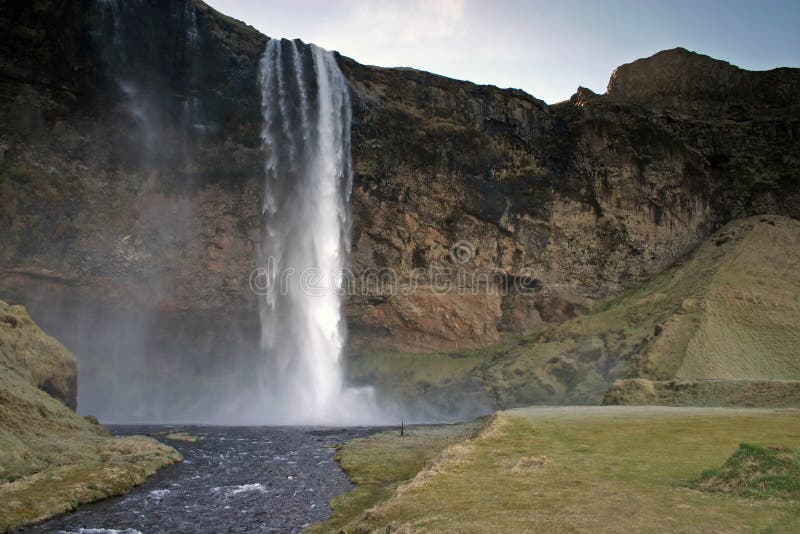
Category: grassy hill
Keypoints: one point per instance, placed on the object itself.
(581, 469)
(730, 311)
(51, 459)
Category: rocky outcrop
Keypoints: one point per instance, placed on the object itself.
(131, 178)
(682, 80)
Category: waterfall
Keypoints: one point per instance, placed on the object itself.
(306, 139)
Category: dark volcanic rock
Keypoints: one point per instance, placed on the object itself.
(684, 79)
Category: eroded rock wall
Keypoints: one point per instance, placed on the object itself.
(579, 198)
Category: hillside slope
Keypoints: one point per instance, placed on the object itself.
(730, 311)
(51, 460)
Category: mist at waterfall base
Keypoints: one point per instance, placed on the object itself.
(136, 364)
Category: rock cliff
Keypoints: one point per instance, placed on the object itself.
(131, 180)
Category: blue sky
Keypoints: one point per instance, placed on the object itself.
(547, 48)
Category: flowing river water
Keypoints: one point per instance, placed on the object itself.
(232, 479)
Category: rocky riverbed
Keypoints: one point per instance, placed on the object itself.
(232, 479)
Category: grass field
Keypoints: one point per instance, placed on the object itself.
(597, 469)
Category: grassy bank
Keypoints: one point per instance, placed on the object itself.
(432, 385)
(52, 460)
(579, 469)
(378, 464)
(758, 472)
(743, 393)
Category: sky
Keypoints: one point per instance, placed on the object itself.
(544, 47)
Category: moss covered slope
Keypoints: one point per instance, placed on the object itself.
(730, 311)
(51, 459)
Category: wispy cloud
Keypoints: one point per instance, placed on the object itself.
(402, 22)
(546, 47)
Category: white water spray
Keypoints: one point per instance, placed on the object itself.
(306, 135)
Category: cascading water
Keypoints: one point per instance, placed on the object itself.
(306, 135)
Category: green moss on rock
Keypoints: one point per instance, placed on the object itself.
(759, 472)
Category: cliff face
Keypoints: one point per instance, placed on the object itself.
(131, 180)
(576, 200)
(130, 187)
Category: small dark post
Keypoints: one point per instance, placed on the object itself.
(402, 427)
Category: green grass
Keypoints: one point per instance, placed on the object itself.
(753, 393)
(180, 436)
(598, 469)
(437, 368)
(379, 463)
(428, 385)
(759, 472)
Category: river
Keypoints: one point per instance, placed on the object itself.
(232, 479)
